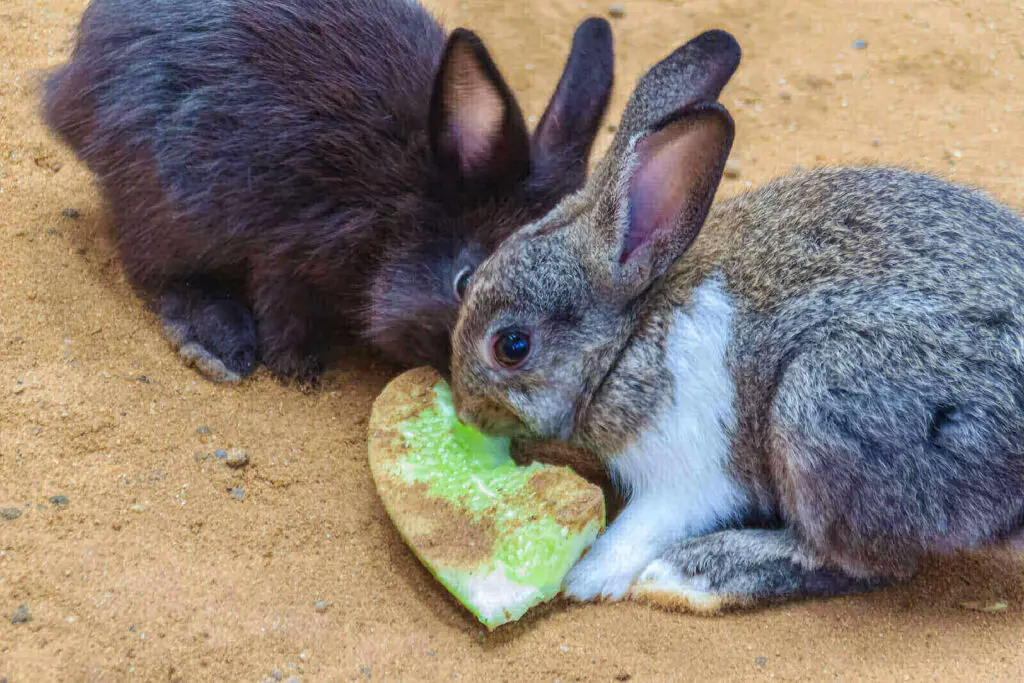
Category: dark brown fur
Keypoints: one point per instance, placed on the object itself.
(284, 175)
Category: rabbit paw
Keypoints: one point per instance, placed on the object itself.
(217, 337)
(663, 583)
(606, 572)
(290, 365)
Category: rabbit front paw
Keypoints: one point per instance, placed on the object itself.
(606, 573)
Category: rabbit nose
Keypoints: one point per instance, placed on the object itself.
(465, 416)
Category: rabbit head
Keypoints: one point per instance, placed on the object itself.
(548, 314)
(491, 177)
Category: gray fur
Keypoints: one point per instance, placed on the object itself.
(877, 353)
(740, 568)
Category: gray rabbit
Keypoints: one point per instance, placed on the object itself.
(802, 391)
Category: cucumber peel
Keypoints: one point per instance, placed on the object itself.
(500, 537)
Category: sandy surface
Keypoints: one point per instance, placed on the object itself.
(155, 571)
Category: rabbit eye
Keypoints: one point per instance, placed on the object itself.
(462, 282)
(511, 348)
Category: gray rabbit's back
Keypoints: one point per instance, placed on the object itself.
(878, 342)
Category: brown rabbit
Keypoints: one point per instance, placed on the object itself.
(284, 173)
(805, 390)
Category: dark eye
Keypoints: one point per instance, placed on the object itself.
(462, 281)
(511, 348)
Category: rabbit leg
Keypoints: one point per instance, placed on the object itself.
(210, 329)
(740, 568)
(284, 310)
(676, 473)
(886, 451)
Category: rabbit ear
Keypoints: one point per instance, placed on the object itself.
(563, 138)
(668, 186)
(658, 179)
(476, 128)
(696, 71)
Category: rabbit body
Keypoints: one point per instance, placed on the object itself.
(811, 395)
(282, 175)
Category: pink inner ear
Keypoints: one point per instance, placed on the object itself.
(475, 110)
(668, 182)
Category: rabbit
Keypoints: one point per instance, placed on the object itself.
(286, 175)
(806, 390)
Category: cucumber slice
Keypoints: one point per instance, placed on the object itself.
(498, 536)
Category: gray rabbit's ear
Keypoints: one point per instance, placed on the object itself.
(656, 184)
(477, 130)
(666, 190)
(696, 71)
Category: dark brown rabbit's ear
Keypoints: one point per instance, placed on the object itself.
(477, 130)
(669, 186)
(562, 141)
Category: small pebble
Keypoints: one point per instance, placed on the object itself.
(143, 379)
(203, 431)
(320, 606)
(237, 458)
(221, 454)
(137, 508)
(760, 662)
(303, 656)
(237, 494)
(733, 168)
(60, 500)
(277, 674)
(859, 44)
(22, 616)
(73, 214)
(876, 143)
(18, 389)
(617, 11)
(52, 232)
(623, 676)
(10, 514)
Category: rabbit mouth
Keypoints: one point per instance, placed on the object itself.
(492, 419)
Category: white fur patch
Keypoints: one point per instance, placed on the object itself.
(661, 584)
(675, 473)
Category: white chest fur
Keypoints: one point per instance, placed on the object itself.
(686, 448)
(675, 474)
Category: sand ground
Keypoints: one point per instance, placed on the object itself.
(154, 571)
